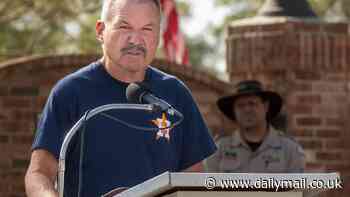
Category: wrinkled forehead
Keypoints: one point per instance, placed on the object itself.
(118, 4)
(122, 7)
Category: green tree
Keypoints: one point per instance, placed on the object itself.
(67, 26)
(59, 26)
(41, 26)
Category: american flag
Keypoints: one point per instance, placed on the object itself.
(173, 41)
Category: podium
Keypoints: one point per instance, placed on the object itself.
(232, 185)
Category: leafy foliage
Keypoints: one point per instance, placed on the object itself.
(67, 26)
(41, 26)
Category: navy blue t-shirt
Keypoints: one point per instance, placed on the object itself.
(116, 155)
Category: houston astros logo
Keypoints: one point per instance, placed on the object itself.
(162, 123)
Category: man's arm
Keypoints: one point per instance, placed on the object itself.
(41, 175)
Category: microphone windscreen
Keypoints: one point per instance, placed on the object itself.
(134, 91)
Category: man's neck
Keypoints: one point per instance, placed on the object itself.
(121, 74)
(254, 134)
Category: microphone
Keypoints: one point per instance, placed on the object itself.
(140, 93)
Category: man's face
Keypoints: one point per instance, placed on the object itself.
(131, 34)
(250, 111)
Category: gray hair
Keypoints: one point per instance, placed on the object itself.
(107, 4)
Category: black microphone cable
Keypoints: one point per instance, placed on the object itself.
(133, 126)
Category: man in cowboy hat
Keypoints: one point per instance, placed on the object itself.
(256, 146)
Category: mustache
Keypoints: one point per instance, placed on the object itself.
(134, 47)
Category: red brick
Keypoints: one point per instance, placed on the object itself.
(347, 49)
(301, 26)
(7, 126)
(335, 122)
(24, 91)
(4, 139)
(22, 139)
(311, 144)
(16, 126)
(309, 99)
(302, 132)
(335, 144)
(231, 30)
(315, 167)
(337, 28)
(336, 167)
(329, 156)
(292, 50)
(16, 102)
(3, 117)
(20, 163)
(308, 121)
(4, 163)
(338, 53)
(301, 109)
(249, 28)
(4, 187)
(337, 78)
(319, 43)
(333, 87)
(4, 91)
(328, 133)
(315, 52)
(23, 115)
(307, 75)
(307, 87)
(18, 190)
(331, 66)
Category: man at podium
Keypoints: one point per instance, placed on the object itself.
(256, 147)
(116, 155)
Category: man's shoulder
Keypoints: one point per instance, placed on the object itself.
(288, 140)
(83, 73)
(73, 81)
(166, 80)
(78, 75)
(159, 75)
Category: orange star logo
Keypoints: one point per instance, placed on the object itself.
(162, 123)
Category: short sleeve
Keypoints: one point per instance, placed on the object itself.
(56, 119)
(197, 141)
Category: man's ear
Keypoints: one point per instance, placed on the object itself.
(100, 27)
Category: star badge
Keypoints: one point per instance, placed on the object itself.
(162, 123)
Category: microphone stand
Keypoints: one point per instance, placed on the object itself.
(77, 125)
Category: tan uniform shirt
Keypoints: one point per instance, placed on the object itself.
(276, 154)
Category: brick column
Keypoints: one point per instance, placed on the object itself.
(307, 62)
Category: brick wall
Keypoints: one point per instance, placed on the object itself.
(25, 85)
(308, 63)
